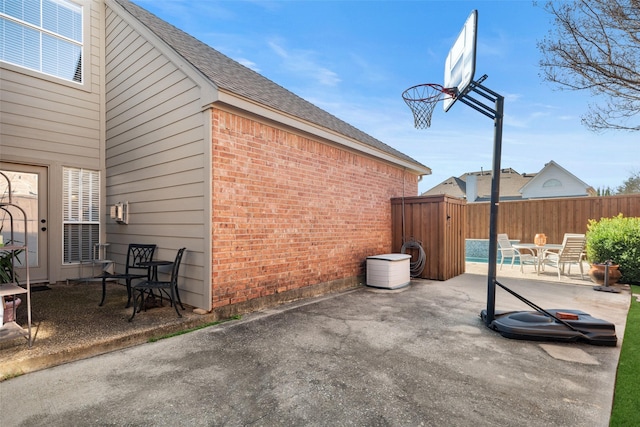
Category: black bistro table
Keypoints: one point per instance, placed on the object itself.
(153, 265)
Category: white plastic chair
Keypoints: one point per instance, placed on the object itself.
(572, 252)
(508, 251)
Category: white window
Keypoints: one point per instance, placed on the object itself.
(81, 214)
(552, 183)
(42, 35)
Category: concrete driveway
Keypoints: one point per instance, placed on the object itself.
(416, 356)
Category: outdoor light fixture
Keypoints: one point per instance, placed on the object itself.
(120, 212)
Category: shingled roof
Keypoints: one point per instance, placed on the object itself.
(510, 184)
(235, 78)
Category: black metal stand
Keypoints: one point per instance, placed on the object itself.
(606, 287)
(496, 114)
(556, 325)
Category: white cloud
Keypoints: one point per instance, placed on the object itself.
(512, 97)
(524, 121)
(302, 63)
(366, 70)
(249, 64)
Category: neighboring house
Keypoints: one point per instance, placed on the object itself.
(270, 194)
(476, 186)
(552, 181)
(555, 181)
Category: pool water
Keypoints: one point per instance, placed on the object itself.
(477, 250)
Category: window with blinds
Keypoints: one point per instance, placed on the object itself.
(81, 214)
(42, 35)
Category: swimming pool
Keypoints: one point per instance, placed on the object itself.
(477, 250)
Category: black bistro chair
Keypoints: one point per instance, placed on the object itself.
(137, 253)
(170, 288)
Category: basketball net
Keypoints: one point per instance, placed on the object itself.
(422, 100)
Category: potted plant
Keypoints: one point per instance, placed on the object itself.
(11, 304)
(7, 260)
(614, 242)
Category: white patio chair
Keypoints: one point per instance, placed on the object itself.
(572, 252)
(508, 251)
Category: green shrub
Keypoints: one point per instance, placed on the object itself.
(616, 239)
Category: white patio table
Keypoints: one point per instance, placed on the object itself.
(538, 250)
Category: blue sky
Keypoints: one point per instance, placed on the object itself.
(355, 58)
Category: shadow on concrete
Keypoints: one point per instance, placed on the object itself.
(68, 325)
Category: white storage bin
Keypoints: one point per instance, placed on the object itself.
(389, 271)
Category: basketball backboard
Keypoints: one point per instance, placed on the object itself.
(460, 65)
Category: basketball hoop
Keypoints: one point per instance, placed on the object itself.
(422, 99)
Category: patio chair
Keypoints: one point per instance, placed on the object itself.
(572, 252)
(508, 251)
(136, 254)
(170, 288)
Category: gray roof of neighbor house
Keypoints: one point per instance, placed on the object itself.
(232, 76)
(452, 186)
(510, 184)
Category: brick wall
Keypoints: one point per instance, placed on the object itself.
(290, 212)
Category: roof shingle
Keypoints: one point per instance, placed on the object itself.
(234, 77)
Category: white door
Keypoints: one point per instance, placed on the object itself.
(29, 191)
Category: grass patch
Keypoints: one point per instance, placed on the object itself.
(11, 375)
(626, 399)
(185, 331)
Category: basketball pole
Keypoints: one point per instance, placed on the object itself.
(493, 221)
(496, 114)
(459, 85)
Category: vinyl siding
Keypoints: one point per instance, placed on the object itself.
(570, 185)
(46, 121)
(155, 155)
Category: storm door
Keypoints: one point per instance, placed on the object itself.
(29, 191)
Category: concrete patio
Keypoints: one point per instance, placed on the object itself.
(417, 355)
(69, 325)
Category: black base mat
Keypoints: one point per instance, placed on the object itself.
(536, 326)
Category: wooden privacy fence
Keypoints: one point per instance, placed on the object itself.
(439, 224)
(523, 219)
(442, 223)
